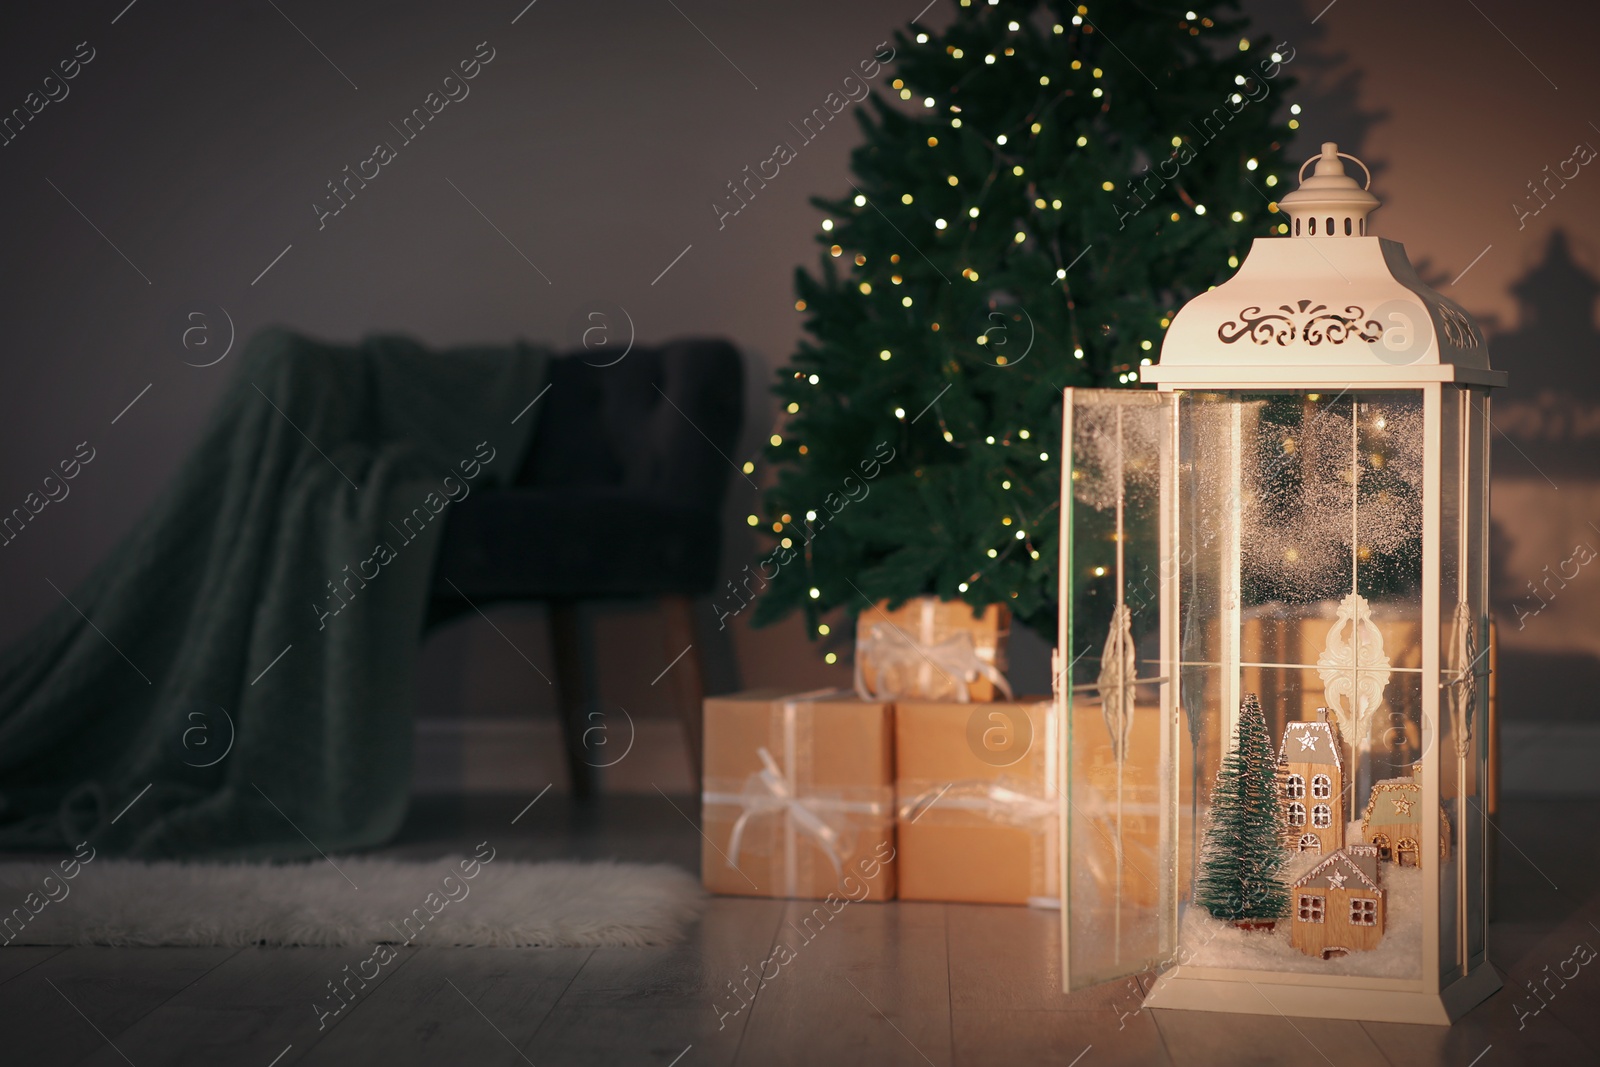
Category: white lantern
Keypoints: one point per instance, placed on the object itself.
(1295, 524)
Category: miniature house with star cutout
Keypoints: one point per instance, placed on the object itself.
(1338, 905)
(1392, 823)
(1311, 784)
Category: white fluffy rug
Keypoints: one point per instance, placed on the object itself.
(453, 901)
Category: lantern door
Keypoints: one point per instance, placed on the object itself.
(1112, 684)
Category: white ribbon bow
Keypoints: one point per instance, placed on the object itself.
(892, 649)
(768, 792)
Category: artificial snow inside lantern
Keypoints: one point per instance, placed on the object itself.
(1274, 610)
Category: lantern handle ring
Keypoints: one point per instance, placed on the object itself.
(1300, 176)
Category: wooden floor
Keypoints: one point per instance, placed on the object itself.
(901, 983)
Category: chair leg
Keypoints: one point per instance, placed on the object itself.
(687, 674)
(572, 694)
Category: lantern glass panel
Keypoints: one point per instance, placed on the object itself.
(1475, 483)
(1299, 535)
(1463, 681)
(1115, 444)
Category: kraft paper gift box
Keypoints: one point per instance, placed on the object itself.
(798, 796)
(976, 802)
(928, 649)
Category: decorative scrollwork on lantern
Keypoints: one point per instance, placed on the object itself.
(1456, 327)
(1336, 329)
(1259, 327)
(1304, 320)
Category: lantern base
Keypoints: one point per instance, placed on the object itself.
(1301, 995)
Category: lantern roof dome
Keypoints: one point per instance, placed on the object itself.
(1325, 302)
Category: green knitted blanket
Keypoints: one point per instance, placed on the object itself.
(235, 679)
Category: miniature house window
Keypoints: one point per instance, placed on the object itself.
(1310, 908)
(1297, 814)
(1310, 843)
(1381, 843)
(1363, 911)
(1406, 852)
(1322, 787)
(1295, 786)
(1321, 815)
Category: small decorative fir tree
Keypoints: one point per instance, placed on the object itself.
(1244, 844)
(1053, 183)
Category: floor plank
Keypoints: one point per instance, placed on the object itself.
(994, 1037)
(1025, 976)
(70, 1005)
(253, 1006)
(1565, 989)
(868, 985)
(1488, 1036)
(454, 1005)
(734, 931)
(648, 1005)
(1203, 1039)
(609, 1034)
(19, 959)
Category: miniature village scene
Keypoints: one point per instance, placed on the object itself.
(1290, 878)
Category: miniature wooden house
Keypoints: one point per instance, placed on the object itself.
(1338, 906)
(1392, 823)
(1311, 778)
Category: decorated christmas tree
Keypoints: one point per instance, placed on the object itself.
(1041, 186)
(1244, 844)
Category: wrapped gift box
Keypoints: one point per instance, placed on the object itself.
(928, 649)
(799, 796)
(976, 802)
